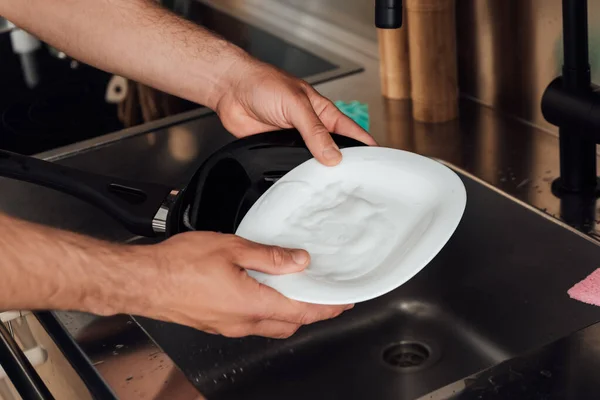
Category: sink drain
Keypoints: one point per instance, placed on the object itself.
(408, 356)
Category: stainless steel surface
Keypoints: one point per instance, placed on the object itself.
(5, 25)
(479, 302)
(159, 222)
(513, 157)
(49, 362)
(128, 360)
(25, 44)
(20, 329)
(564, 369)
(19, 370)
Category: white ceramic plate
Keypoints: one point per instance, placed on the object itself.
(370, 223)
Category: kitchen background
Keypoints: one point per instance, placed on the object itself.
(508, 51)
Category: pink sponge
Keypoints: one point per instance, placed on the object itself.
(588, 290)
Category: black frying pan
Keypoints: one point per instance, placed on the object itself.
(216, 199)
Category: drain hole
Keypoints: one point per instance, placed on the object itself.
(406, 355)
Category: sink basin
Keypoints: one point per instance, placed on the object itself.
(382, 350)
(496, 290)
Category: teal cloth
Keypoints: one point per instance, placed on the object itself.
(357, 111)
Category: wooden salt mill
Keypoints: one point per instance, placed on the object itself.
(393, 50)
(429, 65)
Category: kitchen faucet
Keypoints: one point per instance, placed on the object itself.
(388, 14)
(571, 102)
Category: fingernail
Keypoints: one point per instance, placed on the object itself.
(299, 257)
(350, 307)
(332, 154)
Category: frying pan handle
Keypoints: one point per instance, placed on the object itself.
(231, 180)
(134, 204)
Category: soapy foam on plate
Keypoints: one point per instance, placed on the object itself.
(369, 224)
(340, 228)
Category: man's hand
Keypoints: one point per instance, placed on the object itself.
(200, 280)
(143, 41)
(261, 98)
(196, 279)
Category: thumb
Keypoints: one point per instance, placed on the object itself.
(272, 260)
(315, 135)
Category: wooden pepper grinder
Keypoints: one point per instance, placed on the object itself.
(392, 37)
(433, 59)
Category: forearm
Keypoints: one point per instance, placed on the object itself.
(133, 38)
(44, 268)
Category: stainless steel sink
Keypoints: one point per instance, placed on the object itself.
(496, 290)
(398, 346)
(391, 347)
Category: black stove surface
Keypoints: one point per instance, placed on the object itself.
(68, 104)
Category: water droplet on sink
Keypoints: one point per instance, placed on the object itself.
(546, 373)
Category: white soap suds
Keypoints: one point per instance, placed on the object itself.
(340, 228)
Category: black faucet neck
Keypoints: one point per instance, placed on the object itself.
(388, 14)
(572, 103)
(576, 67)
